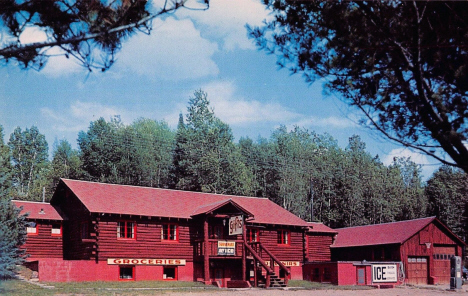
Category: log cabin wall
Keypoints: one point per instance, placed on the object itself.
(44, 244)
(76, 245)
(318, 247)
(294, 251)
(148, 242)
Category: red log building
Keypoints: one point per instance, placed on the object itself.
(118, 232)
(95, 231)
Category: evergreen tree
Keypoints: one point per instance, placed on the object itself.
(12, 225)
(206, 158)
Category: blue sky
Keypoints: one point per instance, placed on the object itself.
(155, 75)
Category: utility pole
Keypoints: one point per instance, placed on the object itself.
(311, 199)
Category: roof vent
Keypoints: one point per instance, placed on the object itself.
(42, 212)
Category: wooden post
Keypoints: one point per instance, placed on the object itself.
(255, 272)
(244, 263)
(206, 253)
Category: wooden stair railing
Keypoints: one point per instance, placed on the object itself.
(270, 274)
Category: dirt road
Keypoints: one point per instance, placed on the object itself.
(400, 291)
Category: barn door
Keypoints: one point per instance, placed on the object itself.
(417, 270)
(441, 261)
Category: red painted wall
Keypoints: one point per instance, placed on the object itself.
(57, 270)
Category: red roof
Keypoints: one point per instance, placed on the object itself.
(38, 210)
(156, 202)
(320, 227)
(380, 234)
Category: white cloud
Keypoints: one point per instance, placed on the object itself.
(80, 114)
(236, 110)
(57, 64)
(405, 152)
(174, 51)
(226, 19)
(427, 168)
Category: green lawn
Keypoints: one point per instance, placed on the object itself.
(16, 287)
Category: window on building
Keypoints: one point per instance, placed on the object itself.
(253, 235)
(126, 273)
(126, 230)
(283, 237)
(170, 272)
(169, 232)
(56, 229)
(32, 228)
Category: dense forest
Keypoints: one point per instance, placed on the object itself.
(306, 173)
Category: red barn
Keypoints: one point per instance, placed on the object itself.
(118, 232)
(424, 246)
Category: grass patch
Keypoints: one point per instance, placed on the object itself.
(17, 288)
(320, 286)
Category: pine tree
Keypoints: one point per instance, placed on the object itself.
(12, 225)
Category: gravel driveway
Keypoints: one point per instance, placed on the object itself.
(399, 291)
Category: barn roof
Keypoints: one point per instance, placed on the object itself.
(320, 228)
(38, 210)
(380, 234)
(156, 202)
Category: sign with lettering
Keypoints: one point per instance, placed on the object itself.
(384, 273)
(286, 263)
(226, 248)
(113, 261)
(236, 224)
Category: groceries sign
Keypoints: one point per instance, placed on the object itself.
(236, 224)
(112, 261)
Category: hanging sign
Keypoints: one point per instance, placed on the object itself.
(384, 273)
(236, 224)
(226, 248)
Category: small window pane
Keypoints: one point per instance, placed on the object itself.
(126, 272)
(169, 273)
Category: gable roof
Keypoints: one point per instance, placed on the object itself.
(380, 234)
(320, 228)
(157, 202)
(213, 207)
(38, 210)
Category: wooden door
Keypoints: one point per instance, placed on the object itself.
(441, 259)
(417, 270)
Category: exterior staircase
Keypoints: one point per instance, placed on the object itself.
(266, 276)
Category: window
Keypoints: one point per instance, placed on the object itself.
(31, 229)
(283, 237)
(56, 229)
(126, 230)
(253, 235)
(169, 273)
(169, 232)
(126, 273)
